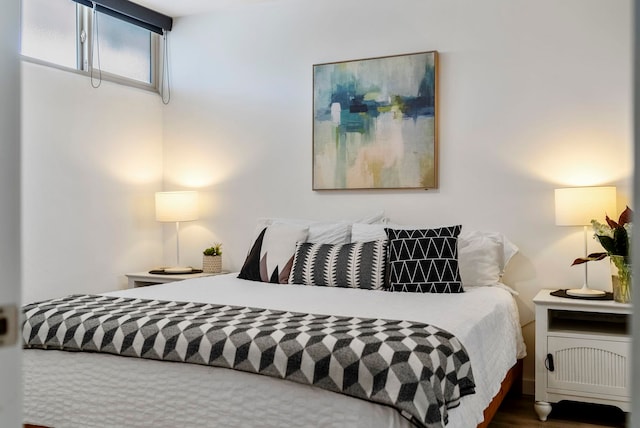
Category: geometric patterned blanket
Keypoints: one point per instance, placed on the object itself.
(418, 369)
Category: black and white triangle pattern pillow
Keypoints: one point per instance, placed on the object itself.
(424, 260)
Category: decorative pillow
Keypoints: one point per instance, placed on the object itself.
(424, 260)
(482, 256)
(271, 255)
(357, 265)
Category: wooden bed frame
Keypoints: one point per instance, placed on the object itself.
(512, 381)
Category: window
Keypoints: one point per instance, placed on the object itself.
(125, 49)
(122, 38)
(49, 31)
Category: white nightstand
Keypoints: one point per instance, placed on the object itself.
(583, 352)
(143, 279)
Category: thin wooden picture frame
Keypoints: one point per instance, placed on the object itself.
(375, 123)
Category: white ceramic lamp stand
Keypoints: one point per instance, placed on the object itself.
(577, 206)
(177, 207)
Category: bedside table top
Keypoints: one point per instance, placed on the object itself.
(144, 279)
(545, 298)
(177, 277)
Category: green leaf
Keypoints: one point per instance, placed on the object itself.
(621, 242)
(607, 243)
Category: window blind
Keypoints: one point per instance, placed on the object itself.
(132, 13)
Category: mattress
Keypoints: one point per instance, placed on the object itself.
(65, 389)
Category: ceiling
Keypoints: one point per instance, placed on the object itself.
(175, 8)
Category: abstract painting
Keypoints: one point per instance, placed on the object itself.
(374, 123)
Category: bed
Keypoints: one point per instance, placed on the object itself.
(88, 389)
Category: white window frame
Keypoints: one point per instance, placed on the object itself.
(84, 27)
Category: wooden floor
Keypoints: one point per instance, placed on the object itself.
(517, 411)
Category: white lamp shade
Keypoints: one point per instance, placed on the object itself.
(177, 206)
(577, 206)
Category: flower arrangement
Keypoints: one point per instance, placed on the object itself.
(214, 250)
(615, 238)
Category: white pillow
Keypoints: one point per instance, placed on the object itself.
(327, 233)
(376, 218)
(482, 256)
(324, 232)
(361, 232)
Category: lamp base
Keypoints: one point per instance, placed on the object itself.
(178, 269)
(585, 292)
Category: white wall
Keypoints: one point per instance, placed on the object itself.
(92, 159)
(533, 96)
(10, 373)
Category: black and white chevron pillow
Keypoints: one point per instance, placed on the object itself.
(424, 260)
(355, 265)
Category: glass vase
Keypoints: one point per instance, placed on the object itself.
(621, 279)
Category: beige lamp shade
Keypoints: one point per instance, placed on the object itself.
(177, 206)
(577, 206)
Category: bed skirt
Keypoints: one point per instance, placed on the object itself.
(512, 382)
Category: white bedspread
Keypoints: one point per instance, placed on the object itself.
(65, 389)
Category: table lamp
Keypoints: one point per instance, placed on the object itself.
(177, 207)
(577, 206)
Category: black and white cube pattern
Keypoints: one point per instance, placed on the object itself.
(416, 368)
(424, 260)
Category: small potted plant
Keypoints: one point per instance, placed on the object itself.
(212, 259)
